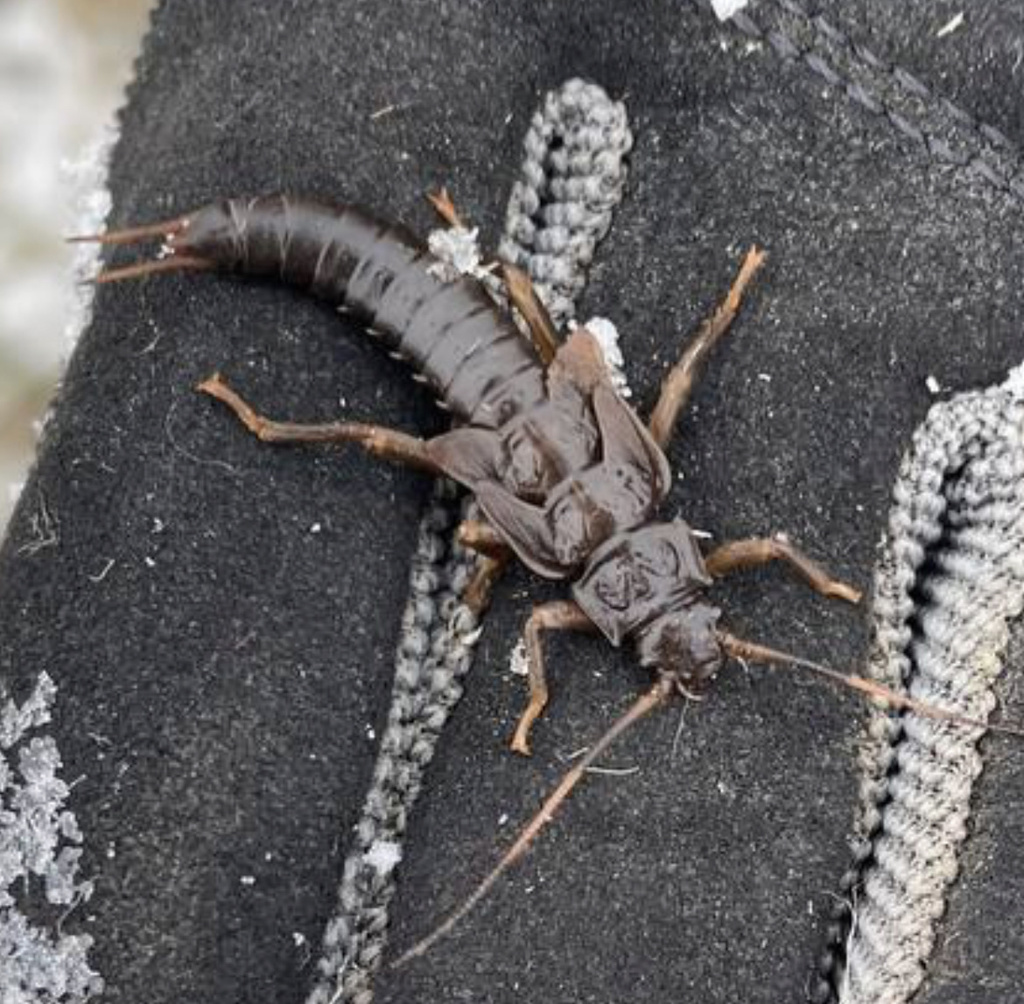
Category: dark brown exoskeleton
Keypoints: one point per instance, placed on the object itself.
(566, 475)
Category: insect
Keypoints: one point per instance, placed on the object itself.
(566, 475)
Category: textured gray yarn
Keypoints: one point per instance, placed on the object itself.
(950, 578)
(434, 652)
(572, 191)
(562, 205)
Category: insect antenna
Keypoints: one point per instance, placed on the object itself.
(741, 649)
(642, 706)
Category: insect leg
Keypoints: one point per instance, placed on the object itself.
(560, 615)
(676, 388)
(445, 208)
(481, 537)
(525, 299)
(518, 286)
(388, 444)
(477, 595)
(485, 540)
(760, 550)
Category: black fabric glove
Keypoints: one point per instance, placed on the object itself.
(220, 616)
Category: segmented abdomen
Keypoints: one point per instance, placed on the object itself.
(470, 352)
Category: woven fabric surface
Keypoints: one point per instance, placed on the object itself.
(221, 618)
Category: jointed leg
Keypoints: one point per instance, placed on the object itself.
(386, 443)
(759, 551)
(558, 616)
(676, 388)
(477, 595)
(517, 284)
(525, 299)
(445, 208)
(482, 538)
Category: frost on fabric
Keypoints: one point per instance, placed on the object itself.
(724, 9)
(84, 210)
(607, 336)
(383, 856)
(38, 839)
(518, 662)
(1015, 381)
(88, 204)
(457, 251)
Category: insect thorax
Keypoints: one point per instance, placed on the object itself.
(636, 577)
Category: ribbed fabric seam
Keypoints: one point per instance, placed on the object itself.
(930, 122)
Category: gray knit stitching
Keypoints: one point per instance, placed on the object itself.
(571, 179)
(562, 205)
(434, 652)
(955, 539)
(942, 130)
(950, 578)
